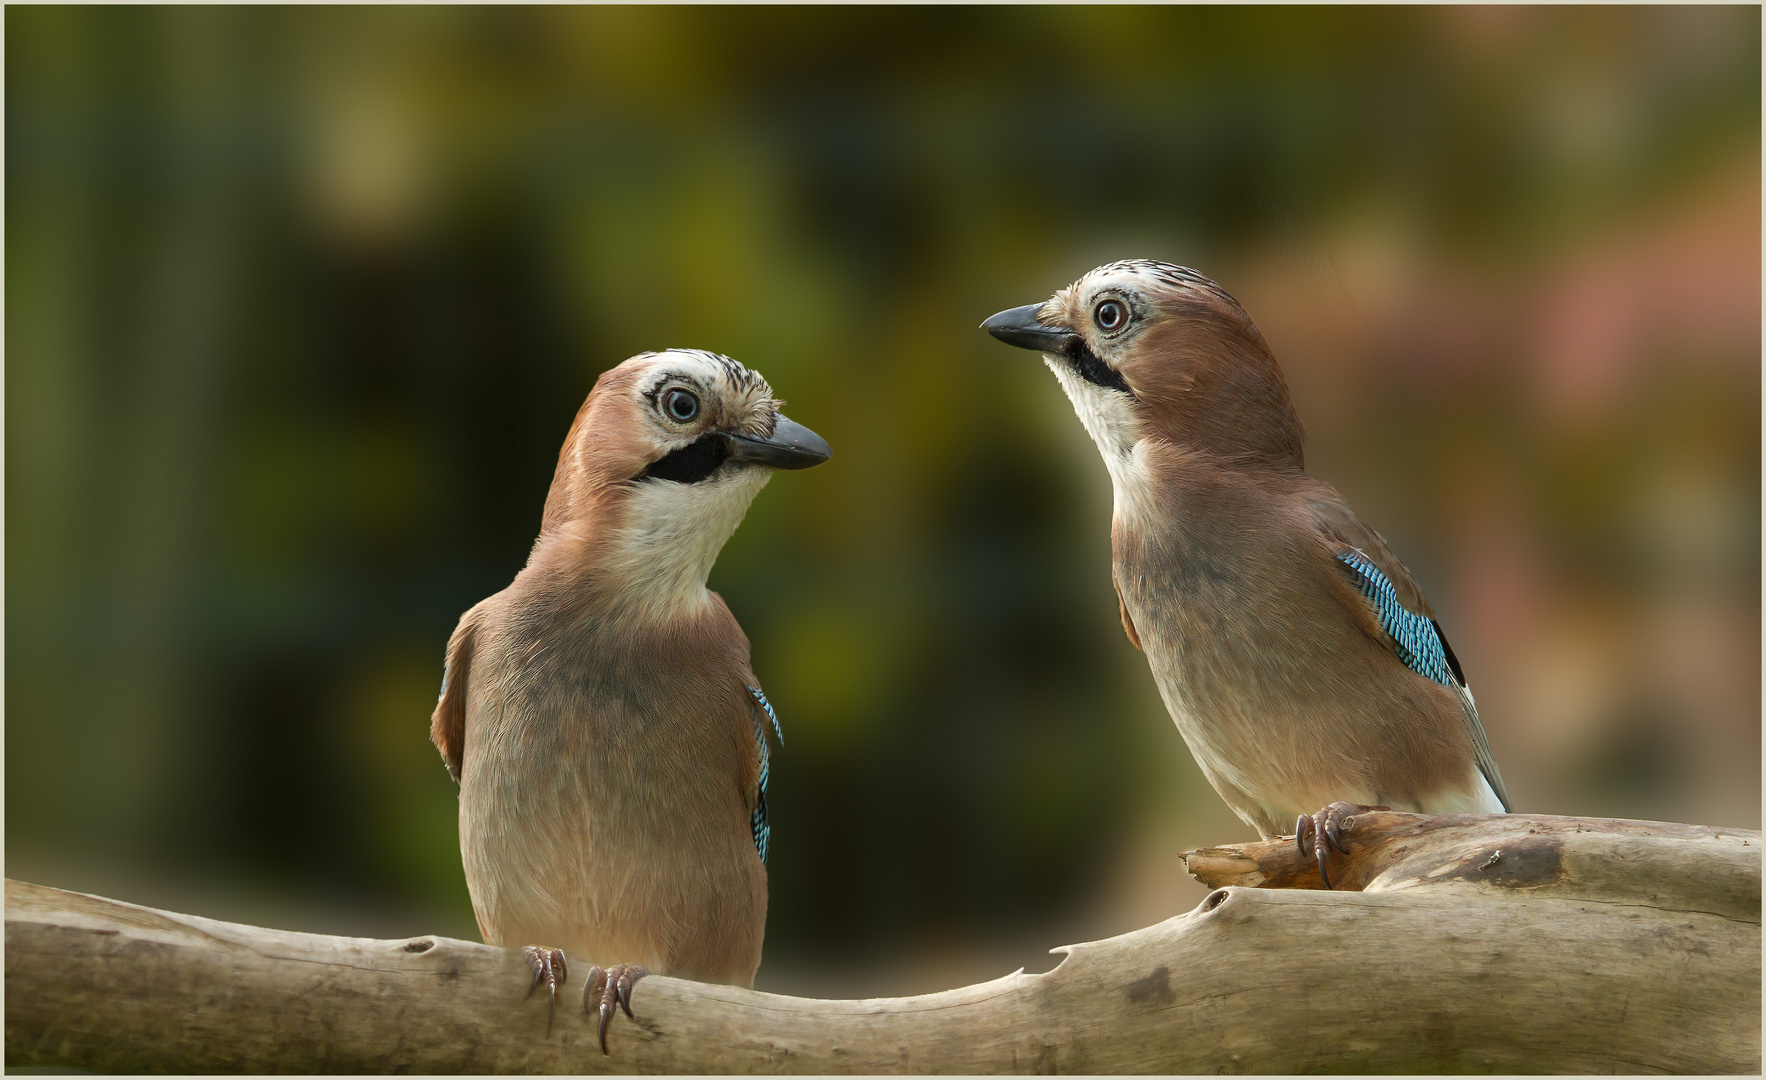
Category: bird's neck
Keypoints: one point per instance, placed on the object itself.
(1114, 423)
(668, 537)
(1211, 384)
(1152, 447)
(645, 552)
(1186, 501)
(1108, 416)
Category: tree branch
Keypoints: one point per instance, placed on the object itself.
(1589, 946)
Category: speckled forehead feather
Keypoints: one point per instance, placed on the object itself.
(1157, 273)
(742, 382)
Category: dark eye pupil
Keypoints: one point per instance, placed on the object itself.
(682, 405)
(1111, 315)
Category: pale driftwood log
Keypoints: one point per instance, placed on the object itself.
(1588, 946)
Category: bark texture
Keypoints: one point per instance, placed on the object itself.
(1584, 946)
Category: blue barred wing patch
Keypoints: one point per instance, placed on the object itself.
(1413, 636)
(771, 715)
(763, 832)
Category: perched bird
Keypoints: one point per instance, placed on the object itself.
(1295, 653)
(600, 715)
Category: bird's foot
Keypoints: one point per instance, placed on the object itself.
(607, 986)
(1317, 833)
(549, 968)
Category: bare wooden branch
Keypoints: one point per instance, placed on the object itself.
(1623, 947)
(1665, 865)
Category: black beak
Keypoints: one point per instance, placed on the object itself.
(791, 446)
(1019, 326)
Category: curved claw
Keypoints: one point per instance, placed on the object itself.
(549, 967)
(606, 1015)
(614, 987)
(627, 980)
(597, 981)
(596, 987)
(1318, 833)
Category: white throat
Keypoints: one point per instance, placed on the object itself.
(1109, 418)
(672, 535)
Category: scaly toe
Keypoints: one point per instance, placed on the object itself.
(1325, 830)
(628, 979)
(549, 967)
(592, 988)
(609, 989)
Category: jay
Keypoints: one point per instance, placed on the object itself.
(1297, 656)
(600, 715)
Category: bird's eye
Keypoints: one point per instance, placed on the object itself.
(680, 405)
(1111, 316)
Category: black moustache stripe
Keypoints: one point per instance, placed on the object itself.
(691, 463)
(1093, 370)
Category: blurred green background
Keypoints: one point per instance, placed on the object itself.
(300, 303)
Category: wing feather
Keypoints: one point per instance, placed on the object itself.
(447, 725)
(757, 821)
(1398, 614)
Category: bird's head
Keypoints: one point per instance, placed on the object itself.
(1150, 349)
(661, 464)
